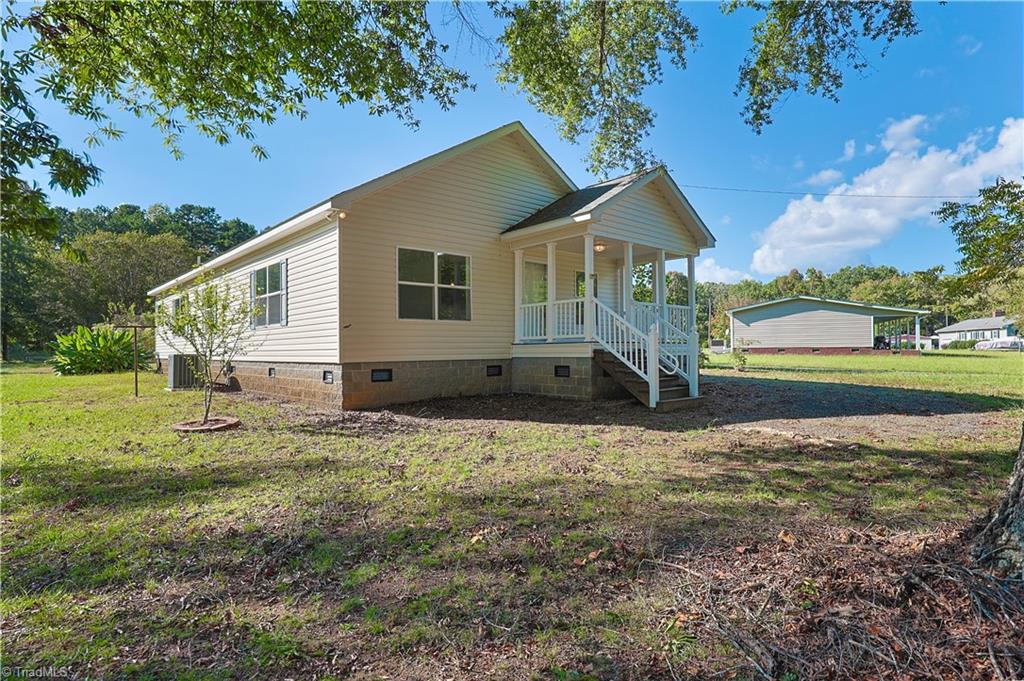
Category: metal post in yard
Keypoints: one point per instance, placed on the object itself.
(135, 360)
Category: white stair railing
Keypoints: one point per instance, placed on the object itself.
(634, 348)
(623, 340)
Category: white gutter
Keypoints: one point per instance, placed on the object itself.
(544, 226)
(269, 236)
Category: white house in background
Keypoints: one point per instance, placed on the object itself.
(807, 324)
(480, 269)
(985, 328)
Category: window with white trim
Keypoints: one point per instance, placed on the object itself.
(433, 285)
(268, 291)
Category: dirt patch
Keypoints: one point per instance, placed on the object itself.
(358, 423)
(822, 411)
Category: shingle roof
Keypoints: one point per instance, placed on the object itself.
(815, 299)
(982, 324)
(581, 201)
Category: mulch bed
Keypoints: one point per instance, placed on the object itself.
(212, 425)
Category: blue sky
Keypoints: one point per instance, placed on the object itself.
(942, 113)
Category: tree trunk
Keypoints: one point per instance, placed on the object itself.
(1001, 543)
(207, 401)
(3, 343)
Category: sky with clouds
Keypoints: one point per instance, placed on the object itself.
(941, 114)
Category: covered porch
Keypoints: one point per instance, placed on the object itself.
(574, 284)
(560, 285)
(577, 291)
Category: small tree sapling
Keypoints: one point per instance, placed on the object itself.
(209, 323)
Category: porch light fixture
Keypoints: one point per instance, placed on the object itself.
(600, 247)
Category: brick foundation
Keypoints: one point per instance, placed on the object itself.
(354, 387)
(586, 380)
(291, 380)
(412, 381)
(827, 351)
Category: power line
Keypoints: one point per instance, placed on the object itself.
(852, 196)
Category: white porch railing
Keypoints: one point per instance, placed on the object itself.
(642, 315)
(568, 316)
(534, 321)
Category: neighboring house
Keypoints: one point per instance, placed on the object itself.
(820, 325)
(986, 328)
(481, 269)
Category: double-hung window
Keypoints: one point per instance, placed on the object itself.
(433, 285)
(268, 291)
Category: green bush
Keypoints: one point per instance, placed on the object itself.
(962, 345)
(95, 351)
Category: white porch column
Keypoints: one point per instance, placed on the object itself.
(693, 338)
(691, 295)
(518, 335)
(549, 315)
(659, 282)
(917, 332)
(627, 280)
(588, 286)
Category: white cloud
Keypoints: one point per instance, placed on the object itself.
(901, 136)
(969, 44)
(828, 176)
(832, 231)
(849, 149)
(710, 271)
(726, 220)
(868, 148)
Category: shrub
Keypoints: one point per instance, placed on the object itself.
(95, 351)
(962, 345)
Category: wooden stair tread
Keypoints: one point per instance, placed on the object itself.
(673, 393)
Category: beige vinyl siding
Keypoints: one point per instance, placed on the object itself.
(646, 217)
(460, 206)
(567, 264)
(312, 331)
(802, 323)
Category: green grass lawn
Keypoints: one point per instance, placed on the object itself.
(508, 536)
(985, 374)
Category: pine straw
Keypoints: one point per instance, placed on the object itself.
(851, 605)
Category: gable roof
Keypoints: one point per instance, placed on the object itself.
(589, 202)
(341, 201)
(868, 307)
(579, 202)
(982, 324)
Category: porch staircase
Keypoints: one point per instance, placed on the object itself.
(673, 391)
(656, 367)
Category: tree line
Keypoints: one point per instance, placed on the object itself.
(102, 257)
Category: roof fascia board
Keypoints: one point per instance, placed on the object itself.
(545, 226)
(266, 238)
